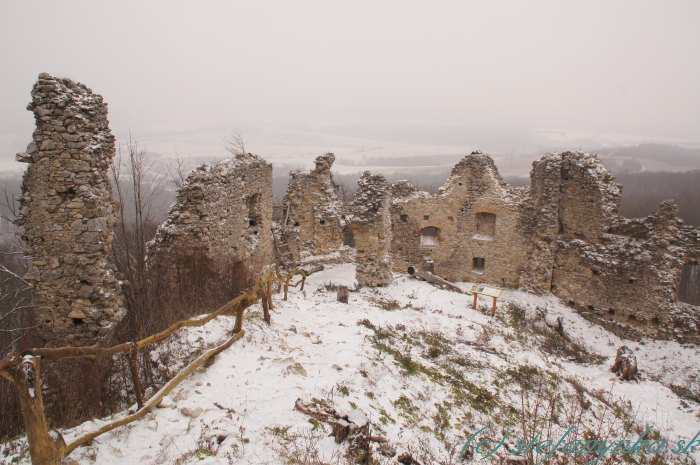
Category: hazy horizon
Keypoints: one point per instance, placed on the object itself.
(363, 79)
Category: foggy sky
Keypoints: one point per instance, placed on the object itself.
(600, 67)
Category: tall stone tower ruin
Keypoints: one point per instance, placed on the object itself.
(371, 225)
(314, 215)
(67, 215)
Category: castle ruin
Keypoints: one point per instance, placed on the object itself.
(562, 234)
(223, 212)
(67, 215)
(314, 217)
(371, 227)
(470, 228)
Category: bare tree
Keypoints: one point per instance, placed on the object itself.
(345, 192)
(235, 144)
(178, 171)
(9, 204)
(17, 326)
(136, 187)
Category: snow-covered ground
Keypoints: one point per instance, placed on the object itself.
(426, 369)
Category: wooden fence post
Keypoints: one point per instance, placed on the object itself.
(44, 448)
(134, 364)
(268, 294)
(342, 295)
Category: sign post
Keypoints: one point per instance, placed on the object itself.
(483, 289)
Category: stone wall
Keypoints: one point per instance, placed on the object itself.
(563, 235)
(469, 228)
(224, 211)
(630, 276)
(316, 217)
(625, 273)
(371, 226)
(67, 215)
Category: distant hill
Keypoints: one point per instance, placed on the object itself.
(650, 157)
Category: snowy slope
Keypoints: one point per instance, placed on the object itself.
(426, 368)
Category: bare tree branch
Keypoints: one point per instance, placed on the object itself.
(235, 144)
(3, 268)
(9, 202)
(178, 172)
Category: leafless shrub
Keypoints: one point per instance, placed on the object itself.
(302, 447)
(178, 171)
(235, 145)
(552, 338)
(17, 328)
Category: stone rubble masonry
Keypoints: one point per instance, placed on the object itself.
(316, 218)
(224, 210)
(474, 191)
(371, 226)
(563, 234)
(67, 215)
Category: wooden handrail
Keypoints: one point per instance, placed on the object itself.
(158, 396)
(95, 350)
(9, 367)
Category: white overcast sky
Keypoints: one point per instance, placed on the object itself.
(612, 66)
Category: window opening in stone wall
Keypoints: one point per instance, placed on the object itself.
(485, 226)
(404, 218)
(689, 290)
(322, 221)
(254, 217)
(478, 264)
(429, 236)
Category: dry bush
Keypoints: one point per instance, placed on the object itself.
(552, 339)
(17, 327)
(302, 447)
(189, 284)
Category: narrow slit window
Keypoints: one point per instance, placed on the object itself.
(254, 215)
(689, 291)
(478, 264)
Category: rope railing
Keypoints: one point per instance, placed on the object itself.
(24, 371)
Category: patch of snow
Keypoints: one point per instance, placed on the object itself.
(247, 394)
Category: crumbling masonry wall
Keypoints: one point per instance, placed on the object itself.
(371, 226)
(314, 217)
(624, 273)
(470, 228)
(67, 215)
(562, 235)
(223, 211)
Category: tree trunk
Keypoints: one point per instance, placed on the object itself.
(44, 448)
(625, 366)
(265, 308)
(433, 279)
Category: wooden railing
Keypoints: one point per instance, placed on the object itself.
(24, 370)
